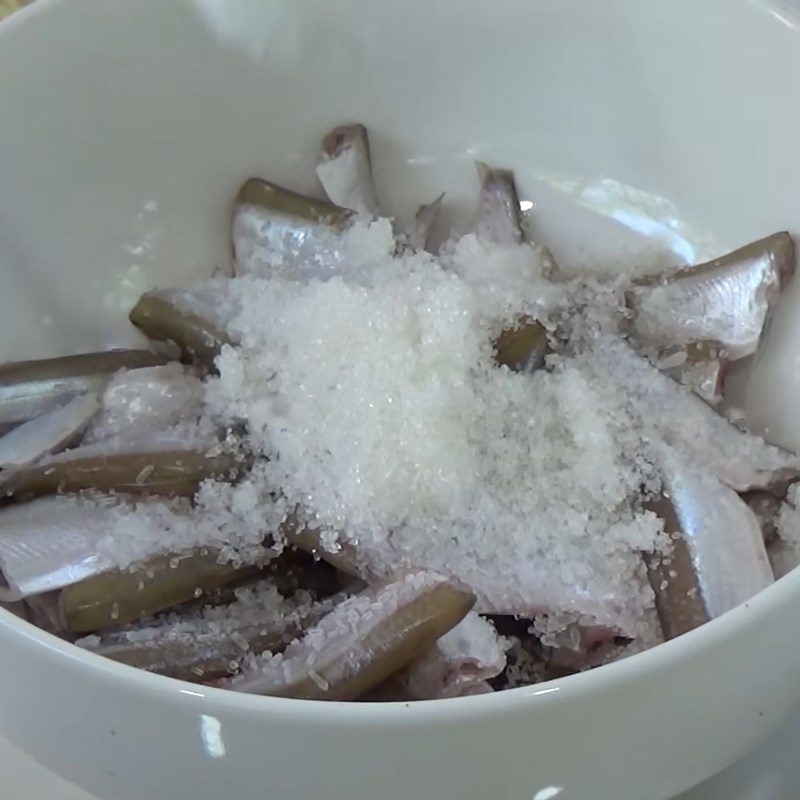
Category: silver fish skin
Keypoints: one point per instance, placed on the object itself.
(698, 433)
(345, 169)
(51, 432)
(30, 388)
(500, 218)
(723, 536)
(728, 300)
(499, 215)
(418, 235)
(274, 228)
(48, 544)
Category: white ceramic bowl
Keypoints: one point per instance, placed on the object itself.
(639, 129)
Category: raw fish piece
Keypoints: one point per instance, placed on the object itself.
(29, 388)
(459, 664)
(117, 597)
(363, 641)
(158, 464)
(499, 216)
(143, 401)
(419, 232)
(345, 170)
(189, 320)
(48, 544)
(718, 559)
(272, 226)
(728, 300)
(698, 433)
(49, 433)
(198, 650)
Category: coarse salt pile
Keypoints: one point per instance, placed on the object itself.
(371, 390)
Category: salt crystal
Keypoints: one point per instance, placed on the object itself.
(319, 680)
(145, 473)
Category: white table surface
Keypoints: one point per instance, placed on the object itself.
(771, 773)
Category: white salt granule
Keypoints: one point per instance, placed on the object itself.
(511, 273)
(319, 680)
(665, 411)
(372, 391)
(137, 530)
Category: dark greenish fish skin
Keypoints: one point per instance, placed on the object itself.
(116, 598)
(294, 206)
(205, 657)
(717, 560)
(679, 603)
(174, 473)
(173, 315)
(524, 348)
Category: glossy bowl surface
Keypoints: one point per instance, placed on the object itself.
(659, 130)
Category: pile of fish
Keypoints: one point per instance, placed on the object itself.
(126, 426)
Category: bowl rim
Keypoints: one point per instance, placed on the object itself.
(442, 711)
